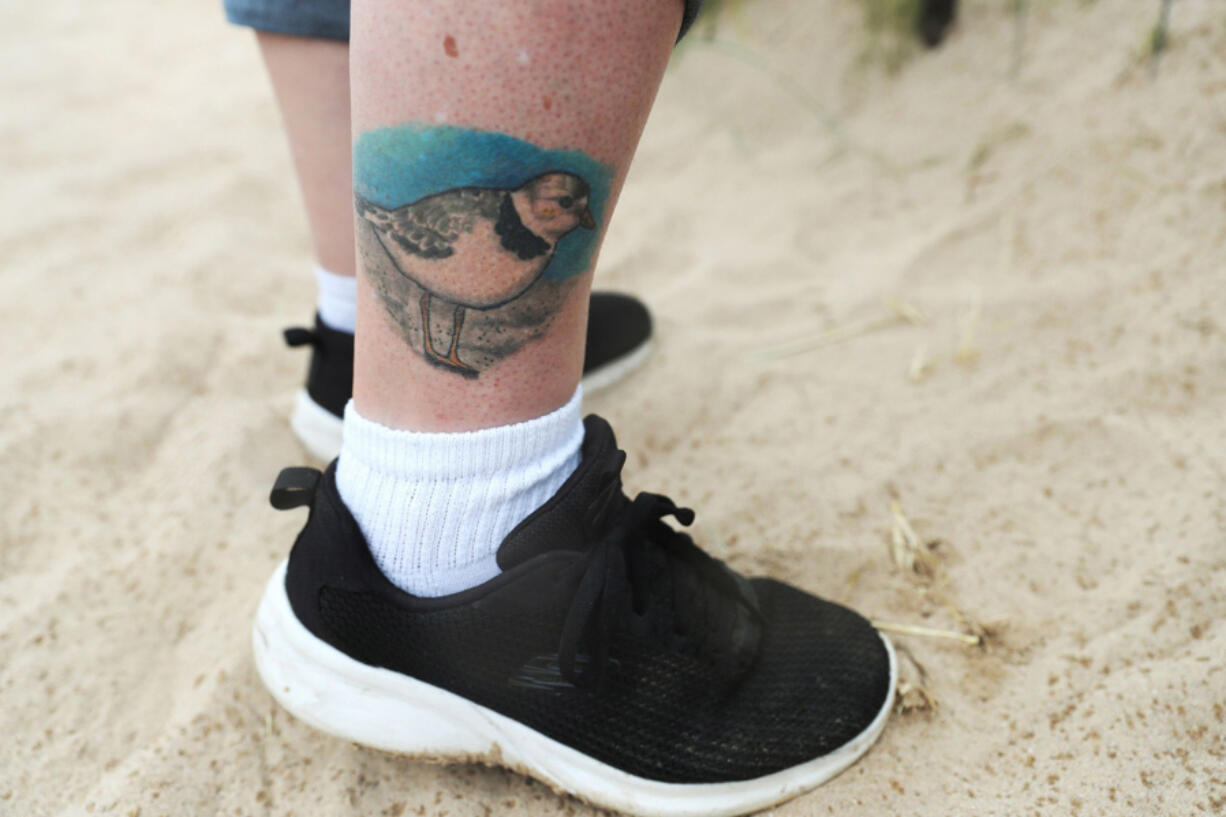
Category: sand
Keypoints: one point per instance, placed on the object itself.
(1052, 429)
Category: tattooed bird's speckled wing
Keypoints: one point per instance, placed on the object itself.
(428, 228)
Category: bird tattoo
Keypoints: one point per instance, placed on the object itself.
(478, 247)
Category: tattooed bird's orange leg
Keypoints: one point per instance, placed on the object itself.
(453, 357)
(425, 327)
(451, 360)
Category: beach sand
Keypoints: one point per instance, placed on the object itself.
(999, 302)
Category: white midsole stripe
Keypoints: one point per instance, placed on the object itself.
(393, 712)
(317, 428)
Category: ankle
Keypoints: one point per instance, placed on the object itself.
(434, 507)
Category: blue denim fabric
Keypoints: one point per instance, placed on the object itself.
(329, 19)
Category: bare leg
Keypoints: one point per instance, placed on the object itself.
(311, 82)
(554, 76)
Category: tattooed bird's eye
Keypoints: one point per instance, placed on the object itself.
(566, 202)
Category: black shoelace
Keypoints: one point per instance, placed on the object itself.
(627, 535)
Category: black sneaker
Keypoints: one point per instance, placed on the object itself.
(611, 659)
(618, 341)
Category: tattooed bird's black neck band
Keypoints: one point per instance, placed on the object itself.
(515, 236)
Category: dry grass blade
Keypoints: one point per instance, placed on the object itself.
(988, 633)
(927, 632)
(912, 689)
(906, 311)
(921, 364)
(914, 698)
(968, 331)
(898, 313)
(906, 549)
(993, 142)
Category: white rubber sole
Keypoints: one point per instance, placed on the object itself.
(320, 430)
(386, 710)
(615, 370)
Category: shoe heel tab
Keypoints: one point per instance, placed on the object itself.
(294, 488)
(300, 336)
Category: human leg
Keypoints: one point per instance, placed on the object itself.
(606, 654)
(560, 88)
(309, 68)
(482, 187)
(310, 78)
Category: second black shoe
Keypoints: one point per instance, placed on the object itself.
(612, 658)
(618, 341)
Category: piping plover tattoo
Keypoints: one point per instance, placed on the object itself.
(478, 248)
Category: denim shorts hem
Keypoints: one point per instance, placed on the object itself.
(296, 24)
(290, 17)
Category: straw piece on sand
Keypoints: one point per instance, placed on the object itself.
(927, 632)
(897, 313)
(907, 552)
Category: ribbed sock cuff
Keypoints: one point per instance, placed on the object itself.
(423, 455)
(435, 507)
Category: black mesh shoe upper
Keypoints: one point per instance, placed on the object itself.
(616, 326)
(330, 376)
(610, 632)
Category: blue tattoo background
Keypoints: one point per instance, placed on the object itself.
(395, 166)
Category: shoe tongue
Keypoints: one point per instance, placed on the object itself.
(558, 524)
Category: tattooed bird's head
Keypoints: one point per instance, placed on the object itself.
(554, 204)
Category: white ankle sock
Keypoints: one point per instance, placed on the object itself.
(338, 299)
(434, 507)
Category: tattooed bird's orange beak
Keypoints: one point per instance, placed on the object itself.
(585, 220)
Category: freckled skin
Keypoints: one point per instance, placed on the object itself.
(598, 64)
